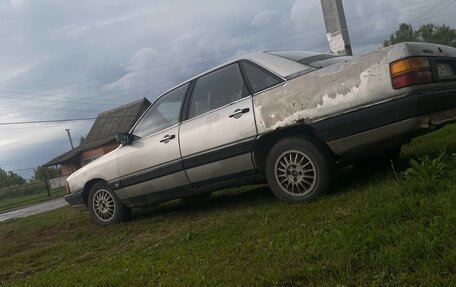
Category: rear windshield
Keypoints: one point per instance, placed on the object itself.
(315, 60)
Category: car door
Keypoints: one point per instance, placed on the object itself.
(217, 138)
(153, 163)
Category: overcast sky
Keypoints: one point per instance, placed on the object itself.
(63, 59)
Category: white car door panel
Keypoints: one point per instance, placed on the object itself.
(152, 164)
(218, 138)
(218, 129)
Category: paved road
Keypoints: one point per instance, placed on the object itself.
(34, 209)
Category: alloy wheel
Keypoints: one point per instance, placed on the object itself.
(104, 205)
(295, 173)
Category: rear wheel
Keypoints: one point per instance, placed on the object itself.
(299, 169)
(105, 207)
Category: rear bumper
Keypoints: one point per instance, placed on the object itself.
(388, 124)
(368, 118)
(76, 200)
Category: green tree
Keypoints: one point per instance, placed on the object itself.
(430, 33)
(42, 174)
(81, 140)
(9, 178)
(404, 33)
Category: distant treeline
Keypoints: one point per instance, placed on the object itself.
(9, 178)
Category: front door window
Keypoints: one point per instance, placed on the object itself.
(163, 114)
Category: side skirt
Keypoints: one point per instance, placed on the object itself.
(214, 184)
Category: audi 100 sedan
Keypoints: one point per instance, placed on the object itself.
(282, 116)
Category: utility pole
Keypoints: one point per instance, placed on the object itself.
(336, 27)
(69, 137)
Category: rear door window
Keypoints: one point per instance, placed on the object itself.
(217, 89)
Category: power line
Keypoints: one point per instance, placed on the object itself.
(18, 130)
(233, 49)
(157, 72)
(62, 120)
(186, 27)
(21, 169)
(296, 39)
(206, 24)
(439, 10)
(49, 122)
(66, 120)
(78, 102)
(164, 64)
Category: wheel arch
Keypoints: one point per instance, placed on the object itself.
(88, 186)
(267, 141)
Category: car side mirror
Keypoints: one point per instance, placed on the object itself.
(125, 138)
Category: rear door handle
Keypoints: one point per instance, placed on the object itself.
(167, 138)
(238, 113)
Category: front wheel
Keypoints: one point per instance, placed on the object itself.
(105, 207)
(299, 169)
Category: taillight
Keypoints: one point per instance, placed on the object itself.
(410, 71)
(67, 187)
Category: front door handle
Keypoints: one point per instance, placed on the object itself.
(238, 113)
(167, 138)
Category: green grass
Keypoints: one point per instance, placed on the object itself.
(369, 232)
(12, 203)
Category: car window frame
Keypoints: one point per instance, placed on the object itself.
(154, 102)
(193, 84)
(282, 80)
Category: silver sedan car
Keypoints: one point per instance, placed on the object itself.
(282, 116)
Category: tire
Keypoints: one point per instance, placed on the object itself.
(105, 207)
(299, 169)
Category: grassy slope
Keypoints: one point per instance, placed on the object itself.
(21, 201)
(368, 233)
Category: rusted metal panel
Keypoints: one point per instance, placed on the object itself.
(359, 82)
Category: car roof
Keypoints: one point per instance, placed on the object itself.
(279, 65)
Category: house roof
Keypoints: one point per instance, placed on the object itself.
(105, 127)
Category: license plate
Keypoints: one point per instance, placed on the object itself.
(445, 70)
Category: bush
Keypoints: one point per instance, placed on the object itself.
(24, 189)
(425, 174)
